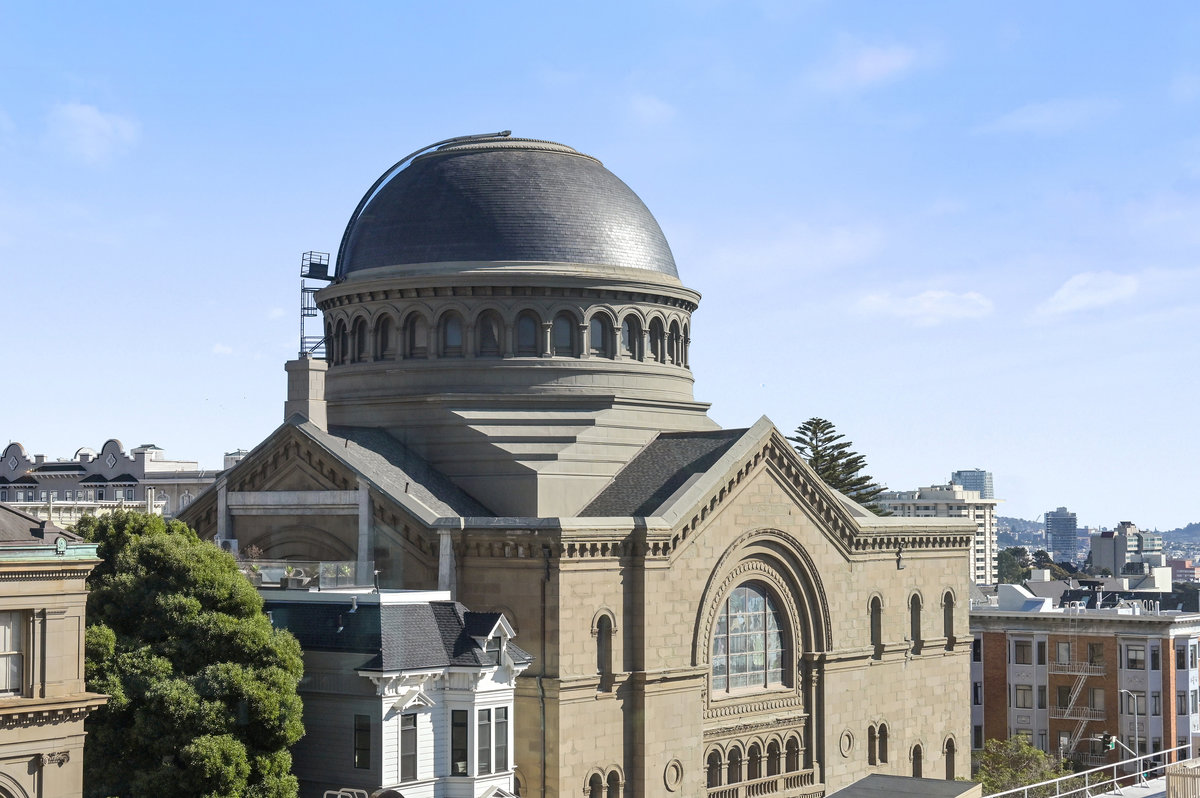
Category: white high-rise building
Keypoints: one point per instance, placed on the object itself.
(954, 501)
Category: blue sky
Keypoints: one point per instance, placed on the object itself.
(967, 233)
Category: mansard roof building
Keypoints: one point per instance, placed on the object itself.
(505, 411)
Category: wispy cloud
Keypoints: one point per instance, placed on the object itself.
(651, 110)
(857, 66)
(222, 349)
(1088, 291)
(928, 308)
(1052, 117)
(87, 134)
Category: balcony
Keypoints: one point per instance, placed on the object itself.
(800, 784)
(1077, 713)
(1077, 668)
(307, 574)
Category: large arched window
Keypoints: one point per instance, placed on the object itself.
(876, 612)
(749, 642)
(631, 338)
(948, 619)
(914, 622)
(599, 335)
(416, 337)
(383, 339)
(562, 336)
(528, 331)
(452, 335)
(488, 331)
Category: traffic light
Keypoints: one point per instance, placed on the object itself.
(1108, 741)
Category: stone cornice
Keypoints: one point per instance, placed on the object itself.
(18, 712)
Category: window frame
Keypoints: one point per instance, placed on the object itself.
(409, 744)
(12, 650)
(772, 610)
(362, 742)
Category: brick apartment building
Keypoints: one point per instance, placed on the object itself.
(1062, 676)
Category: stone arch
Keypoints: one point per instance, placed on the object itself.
(604, 627)
(384, 335)
(451, 333)
(948, 607)
(417, 331)
(916, 608)
(594, 786)
(10, 788)
(875, 606)
(916, 757)
(564, 333)
(734, 763)
(302, 542)
(360, 340)
(489, 333)
(950, 752)
(657, 333)
(631, 334)
(527, 333)
(714, 767)
(341, 341)
(601, 335)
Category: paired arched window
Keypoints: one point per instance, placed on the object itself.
(562, 336)
(597, 784)
(749, 648)
(416, 337)
(614, 785)
(773, 758)
(876, 613)
(948, 619)
(528, 333)
(872, 745)
(754, 762)
(489, 330)
(914, 622)
(452, 335)
(631, 338)
(384, 335)
(883, 744)
(599, 337)
(793, 755)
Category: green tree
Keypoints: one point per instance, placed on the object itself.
(839, 466)
(1008, 764)
(203, 687)
(1009, 569)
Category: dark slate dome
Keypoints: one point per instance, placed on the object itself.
(501, 199)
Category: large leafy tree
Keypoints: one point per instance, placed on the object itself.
(203, 687)
(1008, 764)
(838, 465)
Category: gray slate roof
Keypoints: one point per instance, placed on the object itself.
(506, 200)
(665, 464)
(18, 528)
(395, 637)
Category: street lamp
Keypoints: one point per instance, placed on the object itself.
(1137, 748)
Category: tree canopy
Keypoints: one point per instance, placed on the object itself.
(203, 687)
(1008, 764)
(839, 466)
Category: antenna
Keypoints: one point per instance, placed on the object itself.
(313, 266)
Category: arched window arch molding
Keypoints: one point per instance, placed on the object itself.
(948, 591)
(917, 631)
(781, 591)
(770, 556)
(448, 314)
(413, 313)
(296, 541)
(912, 749)
(9, 786)
(377, 320)
(947, 742)
(603, 612)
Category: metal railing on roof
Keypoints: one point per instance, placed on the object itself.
(1087, 782)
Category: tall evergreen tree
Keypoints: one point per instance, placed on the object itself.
(839, 466)
(203, 688)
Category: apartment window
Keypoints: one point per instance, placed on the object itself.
(1095, 653)
(483, 742)
(408, 747)
(1135, 658)
(977, 650)
(501, 731)
(977, 693)
(1181, 704)
(1063, 696)
(1135, 703)
(1062, 652)
(1180, 658)
(1023, 696)
(12, 659)
(977, 736)
(1156, 703)
(1096, 698)
(1042, 741)
(1023, 652)
(1041, 652)
(1154, 665)
(1195, 701)
(458, 742)
(1192, 656)
(1041, 696)
(362, 741)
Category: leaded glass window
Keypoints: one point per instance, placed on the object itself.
(748, 645)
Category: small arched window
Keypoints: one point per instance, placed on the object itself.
(657, 341)
(773, 757)
(948, 619)
(488, 331)
(599, 333)
(614, 785)
(714, 769)
(733, 771)
(876, 612)
(330, 344)
(384, 346)
(562, 336)
(883, 743)
(686, 345)
(917, 764)
(416, 337)
(631, 338)
(950, 752)
(595, 786)
(753, 762)
(342, 343)
(604, 651)
(528, 328)
(360, 340)
(748, 645)
(674, 345)
(793, 755)
(872, 745)
(452, 335)
(914, 622)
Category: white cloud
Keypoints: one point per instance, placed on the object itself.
(86, 133)
(858, 66)
(651, 110)
(928, 308)
(1052, 117)
(1089, 290)
(222, 349)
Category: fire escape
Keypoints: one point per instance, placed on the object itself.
(1081, 669)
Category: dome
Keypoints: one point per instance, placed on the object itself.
(502, 200)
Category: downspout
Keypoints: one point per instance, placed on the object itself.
(542, 675)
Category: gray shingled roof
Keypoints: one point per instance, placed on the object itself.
(394, 468)
(665, 464)
(18, 528)
(506, 200)
(393, 637)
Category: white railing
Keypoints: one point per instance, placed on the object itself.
(1077, 713)
(1077, 668)
(1087, 782)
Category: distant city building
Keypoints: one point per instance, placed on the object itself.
(954, 501)
(1184, 570)
(1127, 550)
(977, 480)
(94, 483)
(1061, 676)
(43, 698)
(394, 683)
(1061, 543)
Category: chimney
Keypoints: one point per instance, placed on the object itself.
(306, 389)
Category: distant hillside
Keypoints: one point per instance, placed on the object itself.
(1019, 526)
(1189, 532)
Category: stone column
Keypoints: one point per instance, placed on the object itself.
(364, 526)
(447, 570)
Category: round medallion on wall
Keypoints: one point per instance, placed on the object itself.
(673, 775)
(846, 743)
